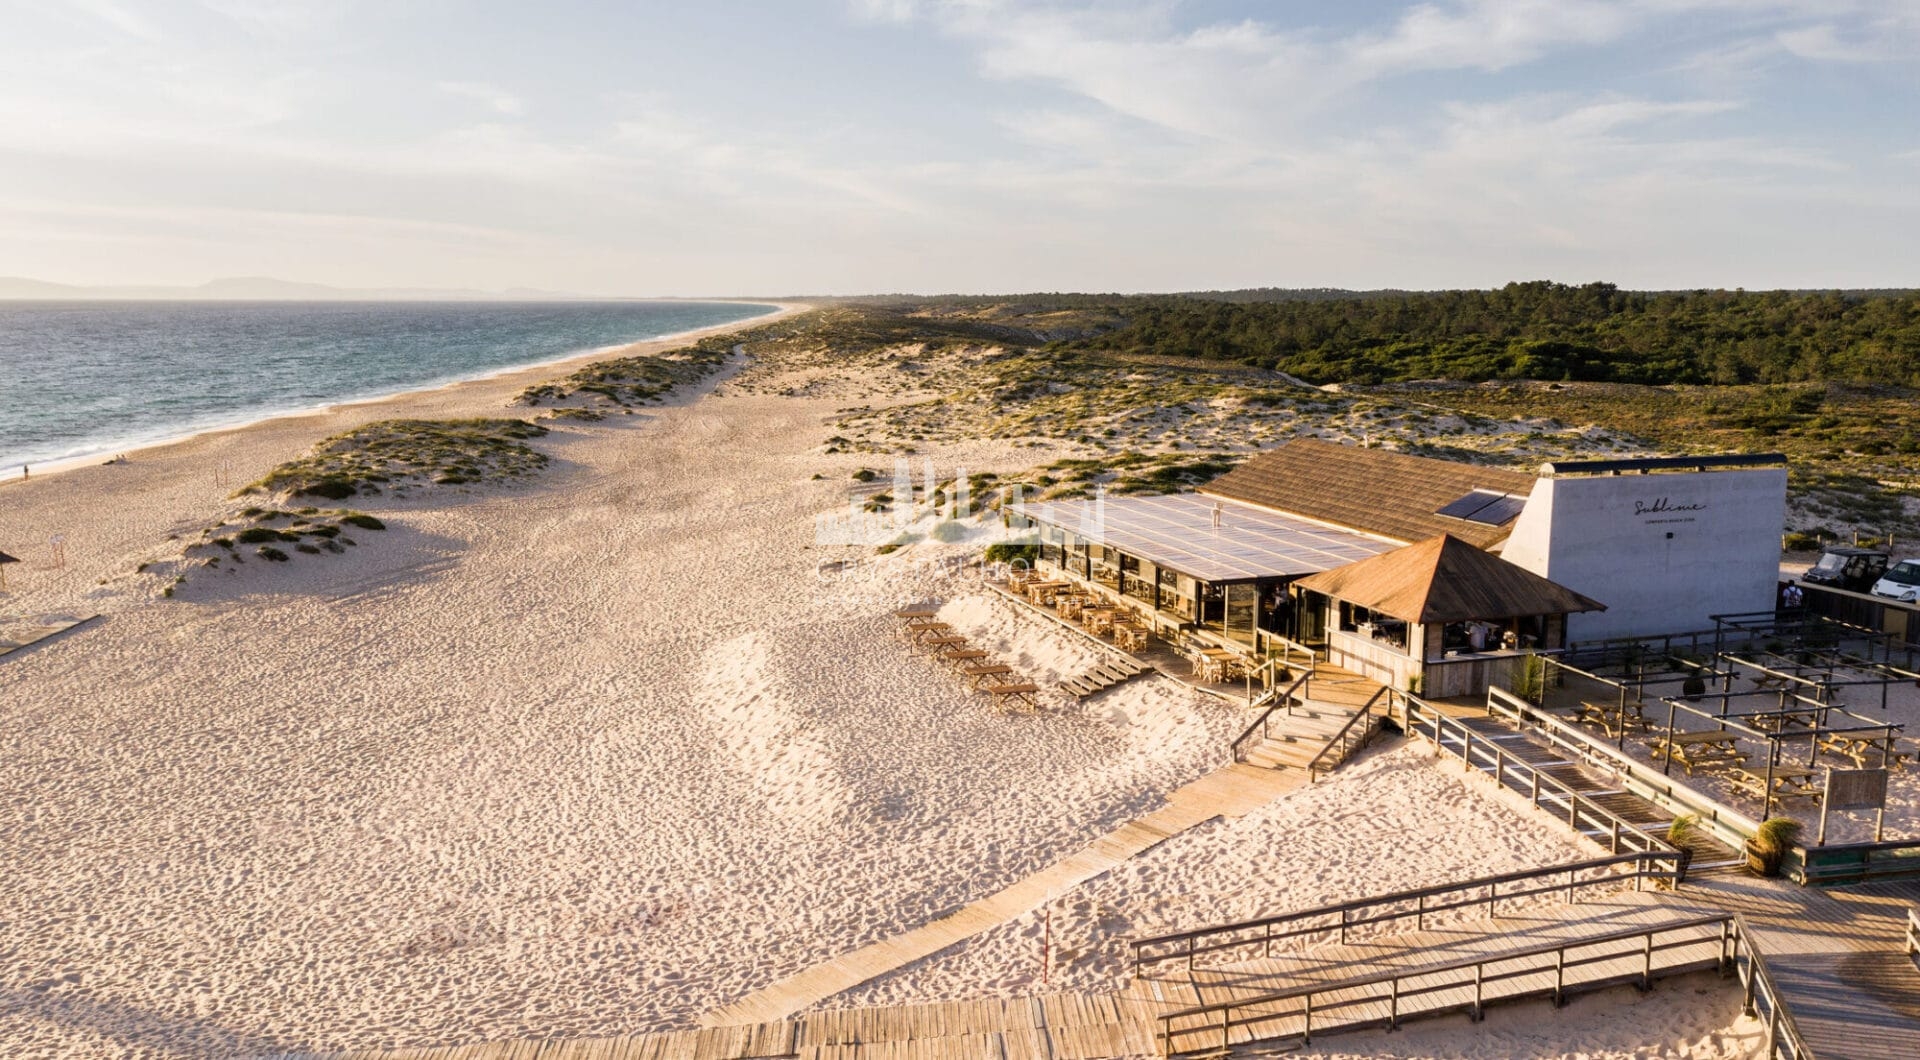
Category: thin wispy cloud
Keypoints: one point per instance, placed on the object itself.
(961, 144)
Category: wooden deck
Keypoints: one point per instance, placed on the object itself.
(1838, 956)
(1232, 791)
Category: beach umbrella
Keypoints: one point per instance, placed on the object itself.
(4, 560)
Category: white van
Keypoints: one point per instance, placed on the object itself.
(1901, 582)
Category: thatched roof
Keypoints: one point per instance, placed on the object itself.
(1444, 579)
(1372, 490)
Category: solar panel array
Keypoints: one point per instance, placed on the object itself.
(1177, 531)
(1490, 507)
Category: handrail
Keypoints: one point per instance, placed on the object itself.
(1339, 739)
(1440, 727)
(1783, 1034)
(1730, 934)
(1646, 865)
(1727, 824)
(1913, 932)
(1282, 697)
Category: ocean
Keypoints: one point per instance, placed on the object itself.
(81, 379)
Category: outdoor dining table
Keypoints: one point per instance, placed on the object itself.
(963, 656)
(1866, 752)
(1613, 718)
(1044, 592)
(985, 674)
(1071, 605)
(1213, 664)
(1700, 750)
(918, 631)
(1782, 720)
(1130, 637)
(1099, 620)
(912, 613)
(1788, 783)
(936, 645)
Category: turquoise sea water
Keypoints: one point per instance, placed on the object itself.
(85, 378)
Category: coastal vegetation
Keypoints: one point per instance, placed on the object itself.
(1515, 376)
(622, 383)
(396, 456)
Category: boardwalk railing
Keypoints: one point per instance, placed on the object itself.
(1383, 999)
(1453, 736)
(1357, 733)
(1763, 1000)
(1250, 939)
(1913, 932)
(1725, 823)
(1281, 699)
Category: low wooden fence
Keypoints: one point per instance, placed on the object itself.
(1248, 939)
(1356, 734)
(1763, 999)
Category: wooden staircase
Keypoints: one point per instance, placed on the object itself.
(1298, 739)
(1113, 671)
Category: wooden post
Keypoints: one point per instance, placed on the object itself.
(1672, 710)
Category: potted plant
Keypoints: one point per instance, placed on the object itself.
(1680, 836)
(1770, 843)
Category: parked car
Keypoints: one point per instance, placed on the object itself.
(1847, 567)
(1901, 582)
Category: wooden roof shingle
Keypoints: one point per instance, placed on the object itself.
(1374, 491)
(1445, 579)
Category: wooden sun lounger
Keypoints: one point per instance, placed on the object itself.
(1015, 697)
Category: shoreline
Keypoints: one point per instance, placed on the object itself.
(111, 452)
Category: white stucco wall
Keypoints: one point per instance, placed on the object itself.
(1662, 551)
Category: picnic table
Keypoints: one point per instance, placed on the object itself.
(959, 656)
(921, 630)
(1700, 750)
(1614, 717)
(911, 613)
(1867, 752)
(1044, 592)
(937, 645)
(1782, 720)
(983, 674)
(1015, 697)
(1788, 783)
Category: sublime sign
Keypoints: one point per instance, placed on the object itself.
(1664, 510)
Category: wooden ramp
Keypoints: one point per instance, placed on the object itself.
(1232, 791)
(1838, 957)
(1548, 951)
(1045, 1027)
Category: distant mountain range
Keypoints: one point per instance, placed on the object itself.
(267, 289)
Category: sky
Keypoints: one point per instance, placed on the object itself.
(857, 146)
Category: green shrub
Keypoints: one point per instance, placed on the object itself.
(1012, 552)
(362, 520)
(308, 549)
(332, 488)
(254, 535)
(270, 553)
(948, 532)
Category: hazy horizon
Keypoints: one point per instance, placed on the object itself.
(862, 146)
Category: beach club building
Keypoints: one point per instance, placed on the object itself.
(1428, 572)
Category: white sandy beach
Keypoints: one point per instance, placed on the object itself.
(600, 753)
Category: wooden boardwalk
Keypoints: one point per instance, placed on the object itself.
(1232, 791)
(1069, 1026)
(1838, 957)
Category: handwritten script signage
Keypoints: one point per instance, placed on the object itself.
(1664, 510)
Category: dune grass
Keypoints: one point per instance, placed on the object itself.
(398, 455)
